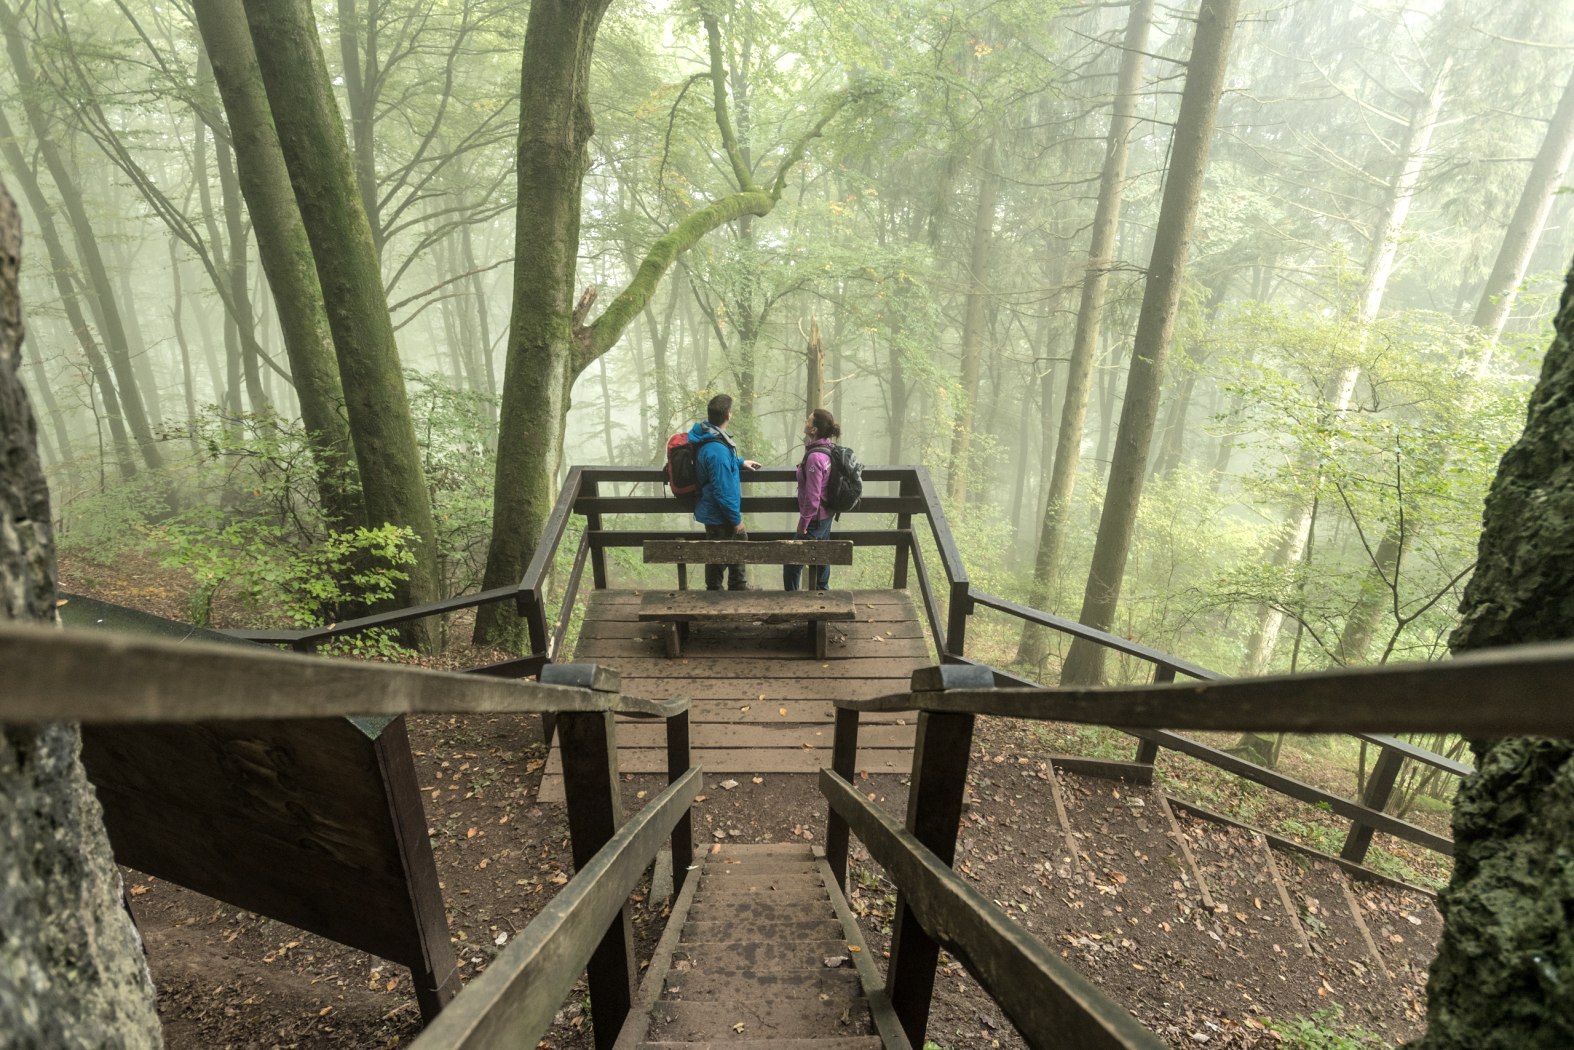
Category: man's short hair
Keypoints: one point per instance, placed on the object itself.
(719, 408)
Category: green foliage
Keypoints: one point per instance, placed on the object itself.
(457, 435)
(276, 578)
(1325, 1030)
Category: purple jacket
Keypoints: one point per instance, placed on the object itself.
(814, 473)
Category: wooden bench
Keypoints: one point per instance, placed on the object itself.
(677, 609)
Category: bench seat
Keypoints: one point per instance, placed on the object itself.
(677, 609)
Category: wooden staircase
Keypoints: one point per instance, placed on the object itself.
(762, 953)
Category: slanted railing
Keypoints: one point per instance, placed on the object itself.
(945, 594)
(1524, 690)
(109, 679)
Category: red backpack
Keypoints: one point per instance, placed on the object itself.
(683, 474)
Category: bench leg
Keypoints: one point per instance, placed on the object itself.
(821, 639)
(672, 639)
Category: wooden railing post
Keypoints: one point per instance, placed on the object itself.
(598, 555)
(844, 763)
(908, 487)
(957, 611)
(1148, 750)
(1378, 788)
(683, 833)
(934, 811)
(595, 810)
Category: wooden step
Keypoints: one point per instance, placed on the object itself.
(867, 1042)
(770, 885)
(759, 911)
(724, 930)
(754, 955)
(708, 984)
(718, 1022)
(769, 606)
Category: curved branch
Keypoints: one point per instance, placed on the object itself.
(599, 337)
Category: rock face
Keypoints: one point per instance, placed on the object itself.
(1504, 973)
(72, 972)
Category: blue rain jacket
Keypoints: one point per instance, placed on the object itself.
(718, 464)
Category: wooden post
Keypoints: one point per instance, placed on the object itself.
(595, 809)
(1148, 750)
(844, 762)
(1378, 788)
(908, 487)
(934, 810)
(598, 555)
(677, 765)
(957, 610)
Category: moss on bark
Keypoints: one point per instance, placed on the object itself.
(1504, 972)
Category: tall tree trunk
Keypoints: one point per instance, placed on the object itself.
(553, 157)
(1155, 328)
(311, 137)
(814, 354)
(240, 286)
(1381, 258)
(60, 270)
(111, 325)
(1062, 476)
(286, 253)
(72, 972)
(974, 325)
(1524, 229)
(359, 56)
(177, 315)
(1501, 978)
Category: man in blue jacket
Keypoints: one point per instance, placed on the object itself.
(720, 506)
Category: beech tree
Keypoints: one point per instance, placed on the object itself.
(551, 341)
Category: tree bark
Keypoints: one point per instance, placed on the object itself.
(814, 353)
(1155, 328)
(72, 971)
(311, 138)
(1504, 972)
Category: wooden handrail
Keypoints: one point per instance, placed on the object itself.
(105, 677)
(1048, 1001)
(514, 1001)
(1521, 690)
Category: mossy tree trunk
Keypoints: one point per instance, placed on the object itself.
(311, 136)
(549, 343)
(1503, 978)
(286, 255)
(72, 971)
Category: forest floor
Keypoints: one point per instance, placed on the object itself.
(1115, 899)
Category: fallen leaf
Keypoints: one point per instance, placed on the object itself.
(393, 982)
(782, 711)
(470, 834)
(728, 785)
(738, 1027)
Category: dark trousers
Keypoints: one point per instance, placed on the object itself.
(819, 575)
(737, 580)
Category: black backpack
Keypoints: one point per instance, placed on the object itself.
(845, 487)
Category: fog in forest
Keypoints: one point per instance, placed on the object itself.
(937, 199)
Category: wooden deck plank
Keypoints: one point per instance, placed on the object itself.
(707, 735)
(747, 689)
(767, 667)
(770, 712)
(746, 606)
(854, 629)
(741, 677)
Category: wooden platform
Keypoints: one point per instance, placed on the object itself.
(760, 703)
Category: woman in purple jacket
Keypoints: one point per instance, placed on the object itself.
(814, 475)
